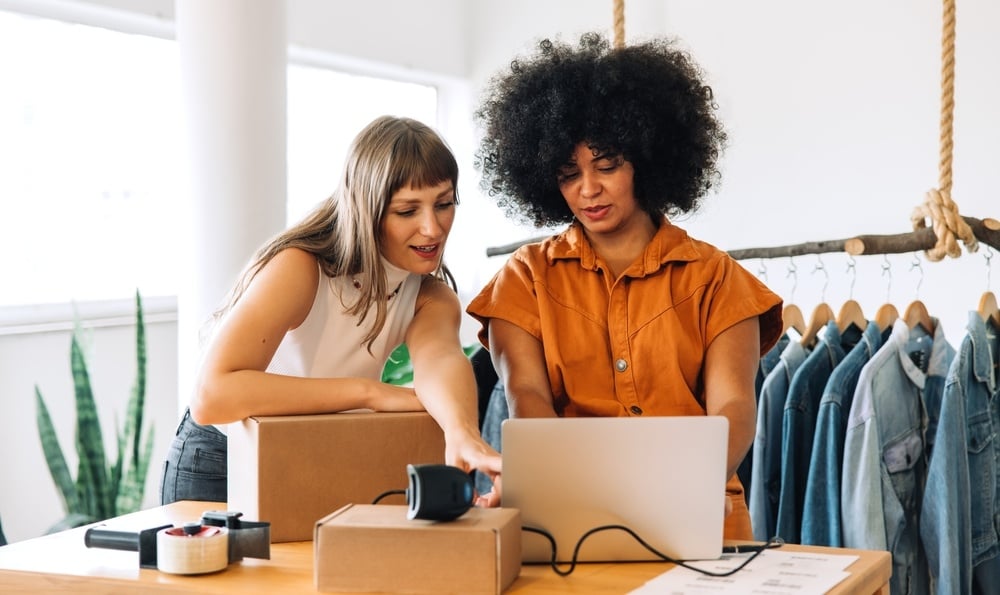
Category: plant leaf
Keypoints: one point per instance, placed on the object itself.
(54, 455)
(117, 469)
(137, 400)
(72, 521)
(398, 368)
(85, 492)
(133, 486)
(92, 475)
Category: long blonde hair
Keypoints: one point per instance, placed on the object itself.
(343, 231)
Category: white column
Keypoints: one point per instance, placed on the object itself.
(233, 76)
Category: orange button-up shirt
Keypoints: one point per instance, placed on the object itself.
(634, 345)
(639, 341)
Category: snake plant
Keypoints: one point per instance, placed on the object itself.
(102, 489)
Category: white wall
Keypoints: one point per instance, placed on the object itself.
(833, 118)
(429, 35)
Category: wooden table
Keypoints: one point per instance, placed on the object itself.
(62, 563)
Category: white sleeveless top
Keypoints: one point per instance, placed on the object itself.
(329, 343)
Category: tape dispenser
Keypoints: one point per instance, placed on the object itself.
(219, 539)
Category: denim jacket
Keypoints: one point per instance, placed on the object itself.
(961, 508)
(884, 458)
(798, 426)
(768, 361)
(766, 468)
(821, 508)
(764, 367)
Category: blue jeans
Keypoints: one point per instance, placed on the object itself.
(494, 416)
(195, 467)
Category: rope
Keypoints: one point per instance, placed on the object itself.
(938, 205)
(947, 95)
(947, 223)
(619, 23)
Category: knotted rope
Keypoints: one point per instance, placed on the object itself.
(619, 23)
(938, 205)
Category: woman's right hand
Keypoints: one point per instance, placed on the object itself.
(390, 397)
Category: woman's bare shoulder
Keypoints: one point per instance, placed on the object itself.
(288, 280)
(435, 291)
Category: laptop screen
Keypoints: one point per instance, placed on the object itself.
(662, 477)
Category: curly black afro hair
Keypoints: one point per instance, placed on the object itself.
(646, 101)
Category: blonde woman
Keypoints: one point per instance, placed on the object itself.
(309, 325)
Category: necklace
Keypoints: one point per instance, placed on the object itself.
(357, 285)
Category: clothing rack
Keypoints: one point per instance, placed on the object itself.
(986, 231)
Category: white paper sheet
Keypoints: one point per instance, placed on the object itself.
(773, 572)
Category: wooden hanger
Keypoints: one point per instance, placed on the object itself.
(988, 308)
(851, 313)
(916, 314)
(821, 315)
(791, 317)
(886, 315)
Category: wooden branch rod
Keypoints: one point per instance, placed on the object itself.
(987, 231)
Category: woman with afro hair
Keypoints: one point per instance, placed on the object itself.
(622, 313)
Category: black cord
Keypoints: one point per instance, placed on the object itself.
(774, 542)
(388, 493)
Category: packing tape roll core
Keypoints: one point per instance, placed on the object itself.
(183, 550)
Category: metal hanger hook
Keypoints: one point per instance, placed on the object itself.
(793, 272)
(826, 282)
(989, 266)
(887, 273)
(916, 264)
(852, 269)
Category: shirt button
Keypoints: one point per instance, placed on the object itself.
(621, 365)
(636, 409)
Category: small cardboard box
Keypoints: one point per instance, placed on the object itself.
(365, 548)
(294, 470)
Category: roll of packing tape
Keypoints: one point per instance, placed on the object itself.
(192, 549)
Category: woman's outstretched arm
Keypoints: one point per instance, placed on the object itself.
(444, 381)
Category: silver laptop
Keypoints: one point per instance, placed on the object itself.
(662, 477)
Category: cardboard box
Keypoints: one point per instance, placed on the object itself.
(294, 470)
(365, 548)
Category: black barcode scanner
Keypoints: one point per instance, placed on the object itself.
(438, 492)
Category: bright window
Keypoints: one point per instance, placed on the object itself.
(89, 140)
(325, 110)
(91, 155)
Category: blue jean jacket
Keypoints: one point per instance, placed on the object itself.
(768, 361)
(821, 507)
(961, 508)
(884, 458)
(766, 468)
(798, 426)
(764, 367)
